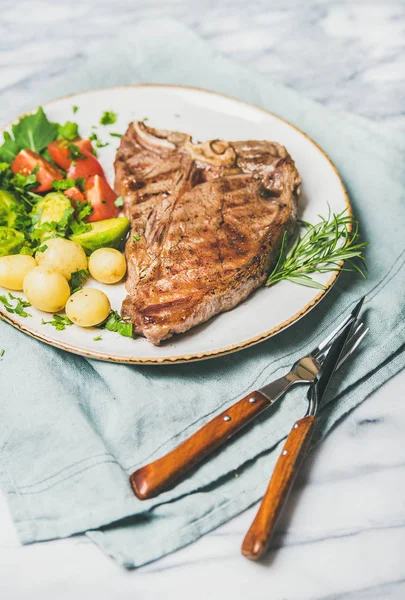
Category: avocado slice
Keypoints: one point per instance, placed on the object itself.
(51, 208)
(8, 205)
(109, 233)
(11, 241)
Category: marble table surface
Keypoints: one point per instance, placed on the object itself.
(344, 532)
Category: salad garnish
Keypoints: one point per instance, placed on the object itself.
(320, 249)
(108, 118)
(18, 309)
(60, 322)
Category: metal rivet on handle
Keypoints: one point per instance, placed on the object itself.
(227, 418)
(252, 400)
(284, 452)
(296, 426)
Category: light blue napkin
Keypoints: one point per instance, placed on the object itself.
(71, 429)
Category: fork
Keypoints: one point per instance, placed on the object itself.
(161, 474)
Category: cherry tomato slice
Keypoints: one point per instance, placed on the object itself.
(102, 198)
(85, 167)
(26, 161)
(74, 194)
(59, 151)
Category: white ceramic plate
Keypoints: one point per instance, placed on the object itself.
(205, 115)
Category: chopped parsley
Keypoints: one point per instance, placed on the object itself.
(19, 308)
(42, 248)
(75, 109)
(145, 119)
(77, 279)
(108, 118)
(99, 144)
(74, 153)
(113, 134)
(60, 322)
(116, 323)
(60, 185)
(69, 131)
(97, 338)
(136, 238)
(2, 352)
(119, 201)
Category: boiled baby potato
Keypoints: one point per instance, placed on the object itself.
(13, 269)
(107, 265)
(62, 255)
(88, 307)
(46, 289)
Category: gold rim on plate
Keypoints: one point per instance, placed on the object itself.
(200, 355)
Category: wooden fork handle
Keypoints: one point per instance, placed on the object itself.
(158, 476)
(258, 537)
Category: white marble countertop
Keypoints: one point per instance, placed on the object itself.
(344, 533)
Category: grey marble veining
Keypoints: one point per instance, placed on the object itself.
(347, 55)
(343, 536)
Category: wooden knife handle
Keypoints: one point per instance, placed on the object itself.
(158, 476)
(258, 537)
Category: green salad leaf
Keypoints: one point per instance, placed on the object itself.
(60, 322)
(77, 280)
(108, 118)
(34, 131)
(116, 323)
(69, 131)
(9, 149)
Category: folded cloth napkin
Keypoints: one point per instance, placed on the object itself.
(72, 429)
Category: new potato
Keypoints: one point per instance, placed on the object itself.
(62, 255)
(13, 269)
(107, 265)
(46, 289)
(88, 307)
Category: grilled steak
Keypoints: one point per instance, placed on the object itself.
(207, 221)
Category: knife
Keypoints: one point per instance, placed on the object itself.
(258, 537)
(157, 476)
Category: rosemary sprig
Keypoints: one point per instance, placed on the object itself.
(319, 250)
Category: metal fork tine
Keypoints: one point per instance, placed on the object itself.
(331, 337)
(320, 357)
(353, 346)
(329, 340)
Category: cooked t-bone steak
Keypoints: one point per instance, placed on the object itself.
(207, 221)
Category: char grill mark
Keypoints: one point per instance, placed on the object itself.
(210, 218)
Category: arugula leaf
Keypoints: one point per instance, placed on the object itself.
(108, 118)
(60, 322)
(9, 149)
(77, 279)
(69, 131)
(34, 131)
